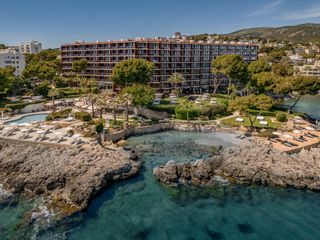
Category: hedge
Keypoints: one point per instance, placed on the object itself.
(83, 116)
(18, 106)
(281, 117)
(169, 108)
(181, 113)
(263, 113)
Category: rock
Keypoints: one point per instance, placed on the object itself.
(258, 164)
(71, 175)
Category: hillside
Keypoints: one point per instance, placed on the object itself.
(297, 33)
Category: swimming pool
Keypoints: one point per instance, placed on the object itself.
(29, 118)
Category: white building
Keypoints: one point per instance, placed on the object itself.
(11, 57)
(30, 47)
(312, 70)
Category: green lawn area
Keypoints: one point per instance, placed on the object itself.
(246, 123)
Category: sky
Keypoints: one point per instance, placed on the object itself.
(54, 22)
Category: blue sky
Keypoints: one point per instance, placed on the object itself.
(54, 22)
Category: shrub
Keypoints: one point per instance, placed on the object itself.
(281, 117)
(181, 113)
(168, 108)
(64, 113)
(16, 106)
(83, 116)
(99, 127)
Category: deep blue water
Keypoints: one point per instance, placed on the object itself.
(141, 208)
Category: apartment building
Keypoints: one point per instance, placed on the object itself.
(192, 59)
(11, 57)
(30, 47)
(311, 70)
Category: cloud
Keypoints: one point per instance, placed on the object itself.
(265, 9)
(310, 13)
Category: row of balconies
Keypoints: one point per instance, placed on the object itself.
(163, 46)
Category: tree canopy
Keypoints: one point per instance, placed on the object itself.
(232, 66)
(142, 95)
(132, 71)
(259, 66)
(44, 65)
(79, 65)
(6, 78)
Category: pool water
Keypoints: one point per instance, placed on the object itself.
(29, 119)
(142, 208)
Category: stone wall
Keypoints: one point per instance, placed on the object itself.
(33, 108)
(148, 113)
(117, 136)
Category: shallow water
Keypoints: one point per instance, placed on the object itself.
(141, 208)
(307, 104)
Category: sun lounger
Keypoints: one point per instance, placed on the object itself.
(239, 119)
(265, 123)
(260, 118)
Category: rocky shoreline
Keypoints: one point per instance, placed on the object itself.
(66, 177)
(253, 164)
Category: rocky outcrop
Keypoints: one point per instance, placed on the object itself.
(252, 164)
(68, 177)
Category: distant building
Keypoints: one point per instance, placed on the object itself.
(30, 47)
(169, 55)
(311, 70)
(11, 57)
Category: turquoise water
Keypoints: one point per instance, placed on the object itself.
(30, 118)
(141, 208)
(307, 104)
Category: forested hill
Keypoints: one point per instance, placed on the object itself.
(298, 33)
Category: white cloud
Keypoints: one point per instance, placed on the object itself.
(310, 13)
(265, 9)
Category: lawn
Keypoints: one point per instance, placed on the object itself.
(246, 123)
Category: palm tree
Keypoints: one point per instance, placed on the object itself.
(187, 105)
(114, 101)
(176, 78)
(126, 100)
(53, 92)
(102, 103)
(93, 99)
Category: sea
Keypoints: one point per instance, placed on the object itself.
(142, 208)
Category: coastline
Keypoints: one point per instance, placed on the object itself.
(66, 178)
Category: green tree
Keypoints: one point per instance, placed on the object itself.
(259, 66)
(53, 93)
(132, 71)
(92, 99)
(298, 86)
(141, 95)
(243, 104)
(187, 105)
(44, 65)
(232, 66)
(126, 99)
(282, 69)
(6, 78)
(42, 88)
(79, 66)
(176, 79)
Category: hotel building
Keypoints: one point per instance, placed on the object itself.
(192, 59)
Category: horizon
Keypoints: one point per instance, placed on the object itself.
(59, 22)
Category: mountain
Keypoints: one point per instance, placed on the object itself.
(298, 33)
